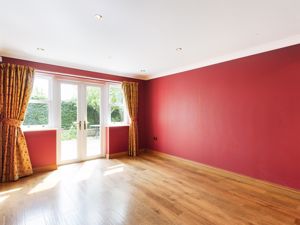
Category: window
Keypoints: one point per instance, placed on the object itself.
(117, 110)
(39, 107)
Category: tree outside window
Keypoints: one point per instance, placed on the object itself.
(116, 104)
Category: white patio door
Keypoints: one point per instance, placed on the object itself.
(81, 134)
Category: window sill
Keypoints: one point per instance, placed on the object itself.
(117, 125)
(38, 129)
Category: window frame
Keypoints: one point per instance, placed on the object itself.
(126, 116)
(48, 101)
(53, 110)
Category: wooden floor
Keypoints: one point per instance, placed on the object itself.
(147, 190)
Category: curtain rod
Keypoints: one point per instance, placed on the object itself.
(76, 76)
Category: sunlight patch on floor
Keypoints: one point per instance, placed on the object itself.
(49, 182)
(3, 198)
(114, 169)
(115, 166)
(86, 171)
(10, 191)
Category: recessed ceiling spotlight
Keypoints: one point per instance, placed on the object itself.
(178, 49)
(40, 49)
(98, 17)
(143, 71)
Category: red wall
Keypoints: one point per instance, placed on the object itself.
(117, 139)
(242, 115)
(41, 147)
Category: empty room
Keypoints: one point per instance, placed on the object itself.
(127, 112)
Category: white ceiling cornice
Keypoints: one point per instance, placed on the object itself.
(294, 40)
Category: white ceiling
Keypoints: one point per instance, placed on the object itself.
(139, 34)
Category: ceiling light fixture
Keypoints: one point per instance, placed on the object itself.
(40, 49)
(178, 49)
(98, 17)
(143, 71)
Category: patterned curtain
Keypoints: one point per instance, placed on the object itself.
(15, 88)
(130, 90)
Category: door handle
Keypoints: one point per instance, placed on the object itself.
(84, 125)
(79, 124)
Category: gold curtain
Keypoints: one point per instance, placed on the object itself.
(130, 90)
(15, 88)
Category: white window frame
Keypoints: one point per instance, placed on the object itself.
(81, 116)
(49, 102)
(126, 116)
(52, 102)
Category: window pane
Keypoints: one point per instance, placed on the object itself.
(117, 114)
(93, 105)
(40, 89)
(93, 141)
(115, 94)
(36, 114)
(69, 107)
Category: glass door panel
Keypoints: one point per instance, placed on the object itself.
(80, 121)
(92, 123)
(69, 122)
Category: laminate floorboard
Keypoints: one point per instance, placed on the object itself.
(149, 189)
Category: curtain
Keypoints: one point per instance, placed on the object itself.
(130, 90)
(15, 88)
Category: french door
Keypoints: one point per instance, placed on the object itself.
(81, 134)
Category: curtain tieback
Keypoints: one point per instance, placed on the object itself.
(11, 122)
(133, 120)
